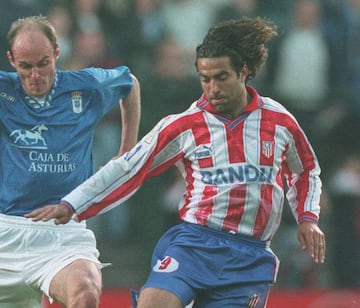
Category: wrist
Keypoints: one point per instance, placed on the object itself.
(308, 218)
(68, 206)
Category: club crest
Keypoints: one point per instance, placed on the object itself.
(268, 148)
(76, 99)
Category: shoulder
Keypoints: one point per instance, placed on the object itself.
(182, 121)
(96, 74)
(279, 113)
(102, 73)
(7, 76)
(273, 105)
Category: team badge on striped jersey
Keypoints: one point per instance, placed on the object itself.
(76, 99)
(267, 148)
(253, 300)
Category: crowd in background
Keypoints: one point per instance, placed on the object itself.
(313, 69)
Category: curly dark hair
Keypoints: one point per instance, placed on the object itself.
(242, 40)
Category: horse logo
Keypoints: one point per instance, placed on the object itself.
(30, 137)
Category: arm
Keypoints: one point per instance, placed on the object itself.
(120, 178)
(130, 108)
(303, 174)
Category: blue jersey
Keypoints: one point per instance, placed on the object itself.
(46, 146)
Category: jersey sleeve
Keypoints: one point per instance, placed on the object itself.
(120, 178)
(302, 172)
(112, 84)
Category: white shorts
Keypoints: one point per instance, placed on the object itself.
(32, 253)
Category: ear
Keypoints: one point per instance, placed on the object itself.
(11, 59)
(244, 73)
(57, 52)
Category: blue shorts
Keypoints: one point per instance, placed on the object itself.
(215, 268)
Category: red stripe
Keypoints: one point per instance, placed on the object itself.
(189, 188)
(264, 210)
(206, 205)
(235, 143)
(202, 136)
(236, 205)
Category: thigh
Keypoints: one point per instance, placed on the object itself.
(154, 297)
(76, 276)
(16, 266)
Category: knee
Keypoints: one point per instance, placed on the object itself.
(84, 292)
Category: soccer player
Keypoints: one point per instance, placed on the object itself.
(238, 152)
(47, 122)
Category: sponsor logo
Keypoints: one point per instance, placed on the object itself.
(166, 265)
(238, 175)
(203, 152)
(8, 97)
(31, 138)
(40, 160)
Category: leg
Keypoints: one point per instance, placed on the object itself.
(78, 285)
(153, 298)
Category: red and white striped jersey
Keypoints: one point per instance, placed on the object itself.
(236, 170)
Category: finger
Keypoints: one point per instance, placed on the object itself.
(302, 241)
(309, 243)
(46, 214)
(37, 215)
(323, 252)
(320, 249)
(32, 214)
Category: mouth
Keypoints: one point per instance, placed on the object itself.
(37, 87)
(217, 100)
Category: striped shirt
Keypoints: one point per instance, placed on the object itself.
(236, 170)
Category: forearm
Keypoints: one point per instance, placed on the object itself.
(130, 108)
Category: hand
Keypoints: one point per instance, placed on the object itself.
(60, 212)
(312, 239)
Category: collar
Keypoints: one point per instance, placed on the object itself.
(46, 101)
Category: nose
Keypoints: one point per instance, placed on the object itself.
(34, 72)
(214, 87)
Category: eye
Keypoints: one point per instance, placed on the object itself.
(25, 66)
(223, 77)
(43, 63)
(204, 79)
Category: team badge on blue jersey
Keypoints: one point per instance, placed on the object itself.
(76, 99)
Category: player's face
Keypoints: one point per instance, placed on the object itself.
(34, 57)
(223, 87)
